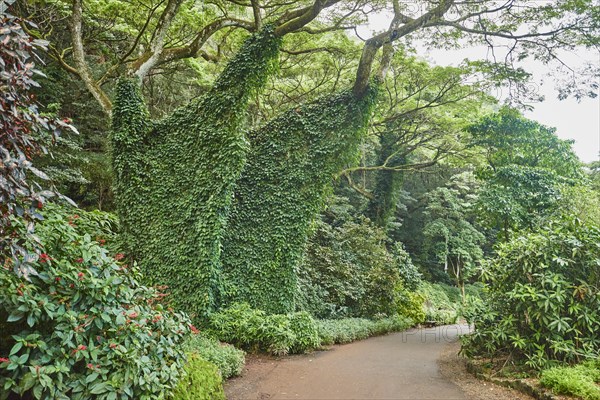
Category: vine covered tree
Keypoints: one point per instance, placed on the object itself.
(177, 177)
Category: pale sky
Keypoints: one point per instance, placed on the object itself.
(579, 121)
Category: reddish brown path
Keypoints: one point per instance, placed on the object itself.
(397, 366)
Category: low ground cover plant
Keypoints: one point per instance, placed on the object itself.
(202, 381)
(228, 359)
(254, 330)
(582, 380)
(346, 330)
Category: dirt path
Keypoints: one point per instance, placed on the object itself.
(403, 365)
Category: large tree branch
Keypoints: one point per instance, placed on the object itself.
(83, 69)
(395, 32)
(157, 43)
(194, 48)
(297, 19)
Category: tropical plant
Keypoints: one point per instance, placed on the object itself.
(83, 327)
(543, 297)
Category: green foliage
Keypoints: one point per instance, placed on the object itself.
(388, 182)
(409, 273)
(452, 241)
(290, 167)
(508, 138)
(83, 327)
(441, 303)
(518, 197)
(526, 166)
(25, 133)
(348, 271)
(543, 298)
(581, 380)
(175, 178)
(411, 305)
(255, 330)
(202, 381)
(226, 357)
(346, 330)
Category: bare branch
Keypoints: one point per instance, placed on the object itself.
(393, 33)
(257, 14)
(297, 19)
(83, 69)
(158, 39)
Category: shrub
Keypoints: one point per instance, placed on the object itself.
(581, 380)
(543, 297)
(202, 381)
(83, 326)
(25, 133)
(411, 305)
(255, 330)
(229, 360)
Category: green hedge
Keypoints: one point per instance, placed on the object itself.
(255, 330)
(346, 330)
(229, 360)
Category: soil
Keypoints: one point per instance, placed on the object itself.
(419, 364)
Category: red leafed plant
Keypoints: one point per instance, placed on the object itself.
(24, 133)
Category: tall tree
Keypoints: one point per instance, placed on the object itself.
(526, 164)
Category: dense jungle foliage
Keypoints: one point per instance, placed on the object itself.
(176, 175)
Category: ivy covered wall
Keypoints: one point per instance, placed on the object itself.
(175, 177)
(289, 170)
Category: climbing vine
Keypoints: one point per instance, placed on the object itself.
(290, 165)
(175, 177)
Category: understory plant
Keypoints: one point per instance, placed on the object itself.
(346, 330)
(202, 381)
(348, 270)
(254, 330)
(228, 359)
(582, 380)
(83, 327)
(543, 297)
(441, 302)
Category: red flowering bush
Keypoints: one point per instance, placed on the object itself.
(83, 327)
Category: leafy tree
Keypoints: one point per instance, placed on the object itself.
(508, 138)
(421, 120)
(175, 177)
(450, 237)
(348, 270)
(526, 164)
